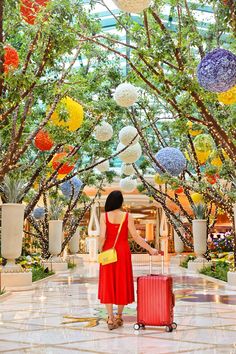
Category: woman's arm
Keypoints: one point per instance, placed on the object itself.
(102, 236)
(138, 239)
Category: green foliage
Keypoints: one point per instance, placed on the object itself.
(12, 189)
(39, 273)
(71, 265)
(200, 210)
(218, 271)
(184, 263)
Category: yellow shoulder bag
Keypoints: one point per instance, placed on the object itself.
(110, 255)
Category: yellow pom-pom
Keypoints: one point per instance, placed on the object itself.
(193, 132)
(74, 114)
(202, 156)
(197, 198)
(158, 179)
(228, 97)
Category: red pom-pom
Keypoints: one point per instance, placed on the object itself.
(11, 59)
(57, 160)
(30, 8)
(179, 190)
(212, 179)
(43, 141)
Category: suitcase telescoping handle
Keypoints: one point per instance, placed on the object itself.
(162, 262)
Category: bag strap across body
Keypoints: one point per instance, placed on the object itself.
(118, 233)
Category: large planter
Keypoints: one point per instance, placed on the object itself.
(12, 233)
(74, 242)
(55, 237)
(199, 237)
(178, 243)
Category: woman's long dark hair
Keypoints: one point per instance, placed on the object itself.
(114, 201)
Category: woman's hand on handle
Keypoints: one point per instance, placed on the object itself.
(153, 251)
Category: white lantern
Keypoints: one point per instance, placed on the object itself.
(135, 6)
(127, 169)
(103, 132)
(131, 154)
(103, 166)
(126, 95)
(128, 185)
(127, 134)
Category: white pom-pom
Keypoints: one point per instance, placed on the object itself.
(103, 132)
(131, 154)
(135, 6)
(104, 166)
(128, 185)
(126, 95)
(127, 169)
(127, 134)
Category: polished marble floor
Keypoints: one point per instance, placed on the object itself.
(63, 316)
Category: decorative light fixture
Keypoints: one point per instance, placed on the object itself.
(217, 70)
(128, 185)
(42, 141)
(60, 158)
(127, 134)
(11, 59)
(71, 186)
(103, 132)
(30, 8)
(172, 160)
(69, 114)
(127, 169)
(103, 166)
(126, 95)
(228, 97)
(133, 6)
(131, 154)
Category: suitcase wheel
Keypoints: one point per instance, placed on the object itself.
(137, 326)
(174, 325)
(169, 328)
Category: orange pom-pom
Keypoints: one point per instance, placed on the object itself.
(30, 8)
(57, 160)
(11, 59)
(43, 141)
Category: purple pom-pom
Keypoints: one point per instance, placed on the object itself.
(172, 160)
(217, 71)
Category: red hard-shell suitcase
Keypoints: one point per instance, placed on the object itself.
(155, 301)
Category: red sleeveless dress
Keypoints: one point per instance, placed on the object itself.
(116, 285)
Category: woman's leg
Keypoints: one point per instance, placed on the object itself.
(120, 309)
(109, 308)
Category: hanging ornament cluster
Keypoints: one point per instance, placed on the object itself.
(103, 132)
(66, 167)
(38, 213)
(42, 141)
(131, 154)
(128, 185)
(72, 186)
(193, 129)
(126, 95)
(127, 169)
(69, 114)
(228, 97)
(11, 59)
(30, 8)
(103, 166)
(217, 71)
(127, 134)
(134, 6)
(172, 160)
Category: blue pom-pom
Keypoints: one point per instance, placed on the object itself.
(38, 213)
(217, 71)
(67, 190)
(172, 160)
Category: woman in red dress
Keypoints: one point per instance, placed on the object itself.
(116, 284)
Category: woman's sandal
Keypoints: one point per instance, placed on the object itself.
(111, 324)
(119, 320)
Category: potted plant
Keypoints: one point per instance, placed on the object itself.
(12, 193)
